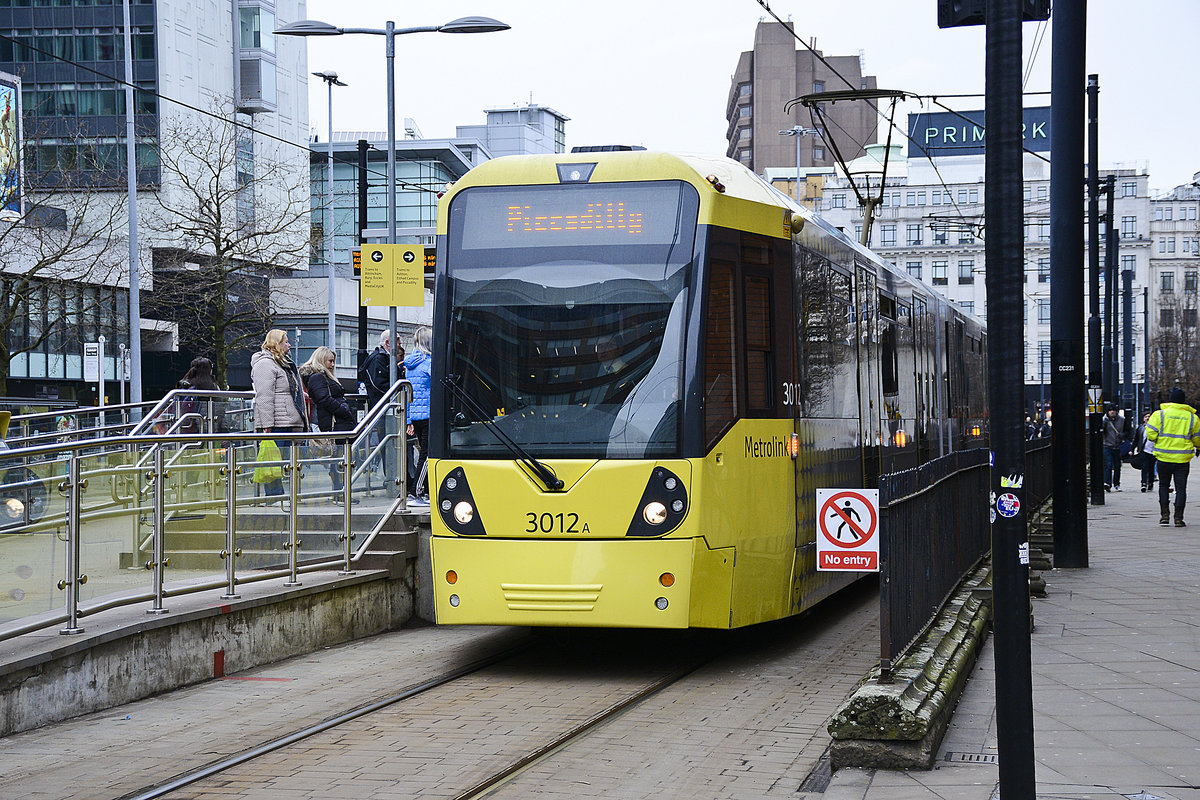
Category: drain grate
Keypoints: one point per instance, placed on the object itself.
(972, 758)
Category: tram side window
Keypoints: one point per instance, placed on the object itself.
(759, 379)
(890, 365)
(720, 347)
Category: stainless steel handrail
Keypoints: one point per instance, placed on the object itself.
(397, 398)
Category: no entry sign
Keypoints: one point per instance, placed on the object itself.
(848, 530)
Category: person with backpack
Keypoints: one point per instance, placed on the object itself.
(375, 372)
(199, 376)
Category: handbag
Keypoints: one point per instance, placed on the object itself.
(268, 451)
(1125, 447)
(321, 448)
(1139, 461)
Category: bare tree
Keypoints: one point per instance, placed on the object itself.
(71, 235)
(1174, 357)
(233, 211)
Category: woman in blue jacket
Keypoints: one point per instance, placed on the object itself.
(416, 367)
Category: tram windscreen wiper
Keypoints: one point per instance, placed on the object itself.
(543, 473)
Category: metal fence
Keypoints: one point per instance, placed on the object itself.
(936, 522)
(936, 518)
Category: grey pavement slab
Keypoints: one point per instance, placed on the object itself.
(1116, 678)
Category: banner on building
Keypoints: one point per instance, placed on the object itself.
(12, 187)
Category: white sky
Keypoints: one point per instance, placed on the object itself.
(657, 72)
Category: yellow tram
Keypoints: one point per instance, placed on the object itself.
(644, 366)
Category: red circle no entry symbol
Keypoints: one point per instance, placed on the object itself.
(853, 523)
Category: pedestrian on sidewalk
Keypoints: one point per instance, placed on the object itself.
(1175, 431)
(1115, 434)
(1145, 448)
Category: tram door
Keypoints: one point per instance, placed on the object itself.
(924, 379)
(869, 398)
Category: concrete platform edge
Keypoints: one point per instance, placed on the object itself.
(132, 655)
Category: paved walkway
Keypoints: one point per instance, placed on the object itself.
(1116, 676)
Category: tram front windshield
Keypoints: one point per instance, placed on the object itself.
(567, 318)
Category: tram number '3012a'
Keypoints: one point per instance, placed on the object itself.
(791, 393)
(554, 523)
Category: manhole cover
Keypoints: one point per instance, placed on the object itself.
(972, 758)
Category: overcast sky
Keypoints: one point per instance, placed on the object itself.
(657, 72)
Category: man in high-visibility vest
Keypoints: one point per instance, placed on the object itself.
(1175, 431)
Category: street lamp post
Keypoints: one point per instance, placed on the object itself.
(331, 79)
(798, 131)
(309, 27)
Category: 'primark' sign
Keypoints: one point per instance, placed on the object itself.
(949, 134)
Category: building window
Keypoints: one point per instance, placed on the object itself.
(857, 235)
(920, 198)
(1167, 282)
(1043, 230)
(1166, 318)
(937, 197)
(913, 233)
(1027, 193)
(889, 236)
(1189, 281)
(966, 236)
(1167, 212)
(1170, 244)
(1189, 318)
(966, 270)
(968, 306)
(818, 153)
(973, 194)
(914, 269)
(1128, 188)
(1128, 227)
(257, 28)
(962, 196)
(743, 90)
(1043, 270)
(1041, 191)
(939, 234)
(1128, 262)
(938, 272)
(910, 198)
(818, 86)
(837, 201)
(1043, 310)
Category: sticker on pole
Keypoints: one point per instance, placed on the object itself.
(1008, 504)
(848, 530)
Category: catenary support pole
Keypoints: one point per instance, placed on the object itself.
(1004, 220)
(1110, 294)
(1067, 389)
(1095, 338)
(362, 226)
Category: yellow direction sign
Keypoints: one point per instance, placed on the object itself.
(393, 275)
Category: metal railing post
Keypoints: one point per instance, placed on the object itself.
(293, 544)
(231, 551)
(73, 580)
(401, 412)
(158, 562)
(347, 467)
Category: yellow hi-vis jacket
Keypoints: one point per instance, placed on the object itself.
(1175, 431)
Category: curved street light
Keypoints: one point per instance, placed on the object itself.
(312, 27)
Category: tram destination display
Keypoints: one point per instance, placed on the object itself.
(554, 216)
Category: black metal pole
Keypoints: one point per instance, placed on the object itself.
(1068, 394)
(1126, 333)
(362, 226)
(1095, 344)
(1110, 293)
(1147, 397)
(1109, 379)
(1004, 252)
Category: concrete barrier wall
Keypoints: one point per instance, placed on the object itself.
(105, 667)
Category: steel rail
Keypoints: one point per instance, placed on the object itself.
(305, 733)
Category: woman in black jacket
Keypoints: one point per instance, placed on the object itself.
(328, 397)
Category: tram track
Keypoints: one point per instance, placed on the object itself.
(528, 718)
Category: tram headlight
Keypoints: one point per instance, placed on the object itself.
(655, 513)
(456, 506)
(662, 507)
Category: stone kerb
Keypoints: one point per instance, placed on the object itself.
(899, 725)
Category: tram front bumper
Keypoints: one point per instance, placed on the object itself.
(617, 584)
